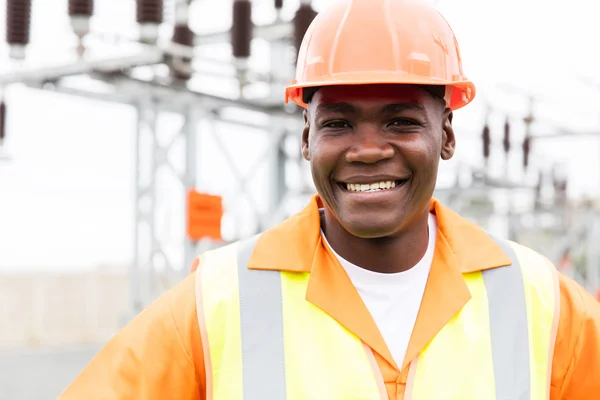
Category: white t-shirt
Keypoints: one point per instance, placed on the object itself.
(394, 299)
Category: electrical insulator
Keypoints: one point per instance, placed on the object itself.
(181, 67)
(80, 12)
(83, 8)
(563, 186)
(278, 4)
(538, 191)
(241, 28)
(560, 190)
(2, 122)
(18, 22)
(506, 141)
(304, 17)
(149, 12)
(149, 15)
(559, 183)
(526, 151)
(540, 184)
(181, 64)
(183, 35)
(487, 140)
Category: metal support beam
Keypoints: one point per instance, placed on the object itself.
(177, 96)
(565, 133)
(127, 92)
(142, 268)
(593, 254)
(189, 179)
(160, 261)
(161, 186)
(279, 30)
(141, 56)
(277, 156)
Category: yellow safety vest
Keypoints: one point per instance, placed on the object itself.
(264, 341)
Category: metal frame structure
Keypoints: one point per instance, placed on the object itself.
(122, 79)
(155, 266)
(562, 229)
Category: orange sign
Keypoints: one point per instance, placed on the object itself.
(204, 214)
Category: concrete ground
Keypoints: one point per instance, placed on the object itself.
(41, 374)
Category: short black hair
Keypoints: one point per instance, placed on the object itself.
(308, 93)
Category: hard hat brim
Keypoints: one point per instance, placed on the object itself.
(462, 93)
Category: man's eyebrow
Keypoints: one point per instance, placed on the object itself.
(398, 107)
(347, 108)
(338, 108)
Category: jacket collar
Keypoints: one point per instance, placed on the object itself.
(297, 239)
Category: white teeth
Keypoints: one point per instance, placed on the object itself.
(370, 187)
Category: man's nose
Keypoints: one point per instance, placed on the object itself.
(369, 147)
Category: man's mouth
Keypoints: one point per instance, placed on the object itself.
(372, 186)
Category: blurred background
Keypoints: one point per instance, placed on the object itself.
(136, 134)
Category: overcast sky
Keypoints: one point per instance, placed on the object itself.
(66, 197)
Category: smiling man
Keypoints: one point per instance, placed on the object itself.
(375, 290)
(374, 152)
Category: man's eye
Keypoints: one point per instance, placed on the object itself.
(336, 125)
(403, 122)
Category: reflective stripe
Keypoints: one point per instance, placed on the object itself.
(376, 372)
(203, 332)
(555, 321)
(508, 328)
(410, 380)
(261, 316)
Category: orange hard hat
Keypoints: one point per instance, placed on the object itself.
(361, 42)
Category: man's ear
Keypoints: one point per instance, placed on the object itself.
(448, 138)
(305, 133)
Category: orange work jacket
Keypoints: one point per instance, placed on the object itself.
(158, 355)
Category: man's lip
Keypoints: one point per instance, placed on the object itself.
(344, 188)
(363, 179)
(398, 184)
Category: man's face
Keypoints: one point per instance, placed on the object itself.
(374, 152)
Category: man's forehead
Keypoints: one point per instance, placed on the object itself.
(370, 93)
(386, 107)
(385, 98)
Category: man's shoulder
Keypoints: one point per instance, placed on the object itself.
(176, 304)
(222, 256)
(527, 255)
(537, 265)
(575, 298)
(570, 291)
(182, 292)
(217, 268)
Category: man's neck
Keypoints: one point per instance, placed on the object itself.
(391, 254)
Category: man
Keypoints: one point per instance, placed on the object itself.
(375, 290)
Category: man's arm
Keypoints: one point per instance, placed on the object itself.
(157, 355)
(576, 363)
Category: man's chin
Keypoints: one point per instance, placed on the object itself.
(367, 228)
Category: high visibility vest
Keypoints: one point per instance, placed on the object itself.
(263, 341)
